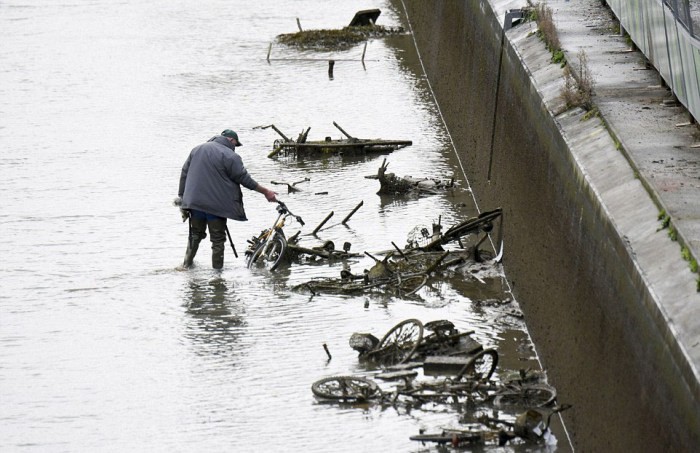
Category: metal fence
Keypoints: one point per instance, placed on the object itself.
(668, 32)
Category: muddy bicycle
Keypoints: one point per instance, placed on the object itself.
(360, 389)
(406, 341)
(269, 247)
(480, 227)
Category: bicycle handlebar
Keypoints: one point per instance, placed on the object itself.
(282, 208)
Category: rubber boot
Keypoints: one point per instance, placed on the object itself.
(192, 246)
(217, 234)
(197, 233)
(217, 255)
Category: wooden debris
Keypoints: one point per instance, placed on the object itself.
(346, 146)
(389, 183)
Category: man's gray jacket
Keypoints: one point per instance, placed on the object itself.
(211, 180)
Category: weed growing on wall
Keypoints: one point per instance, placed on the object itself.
(578, 84)
(546, 29)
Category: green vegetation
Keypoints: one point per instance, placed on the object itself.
(672, 233)
(618, 144)
(559, 58)
(665, 219)
(591, 113)
(685, 253)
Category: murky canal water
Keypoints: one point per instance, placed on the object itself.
(103, 343)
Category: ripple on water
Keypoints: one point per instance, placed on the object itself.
(103, 340)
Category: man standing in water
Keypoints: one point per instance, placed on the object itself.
(210, 191)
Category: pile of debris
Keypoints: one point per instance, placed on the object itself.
(390, 184)
(361, 28)
(302, 147)
(457, 372)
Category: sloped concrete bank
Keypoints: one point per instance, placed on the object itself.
(607, 297)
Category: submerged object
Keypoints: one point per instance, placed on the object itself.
(349, 145)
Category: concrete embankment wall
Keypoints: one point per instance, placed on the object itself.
(579, 230)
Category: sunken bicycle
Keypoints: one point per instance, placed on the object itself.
(269, 247)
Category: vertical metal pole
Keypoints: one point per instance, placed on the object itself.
(495, 102)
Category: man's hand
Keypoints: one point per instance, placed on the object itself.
(185, 213)
(270, 195)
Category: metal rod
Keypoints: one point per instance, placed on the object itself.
(325, 347)
(299, 25)
(363, 52)
(352, 212)
(231, 242)
(322, 223)
(399, 250)
(269, 49)
(495, 103)
(375, 259)
(286, 139)
(437, 263)
(341, 130)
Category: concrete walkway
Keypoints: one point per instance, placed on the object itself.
(655, 135)
(653, 129)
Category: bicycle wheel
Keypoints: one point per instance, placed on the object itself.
(481, 366)
(346, 388)
(399, 343)
(272, 256)
(410, 285)
(533, 395)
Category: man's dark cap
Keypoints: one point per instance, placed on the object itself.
(231, 134)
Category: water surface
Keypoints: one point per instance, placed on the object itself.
(103, 342)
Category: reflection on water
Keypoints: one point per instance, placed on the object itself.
(103, 343)
(216, 317)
